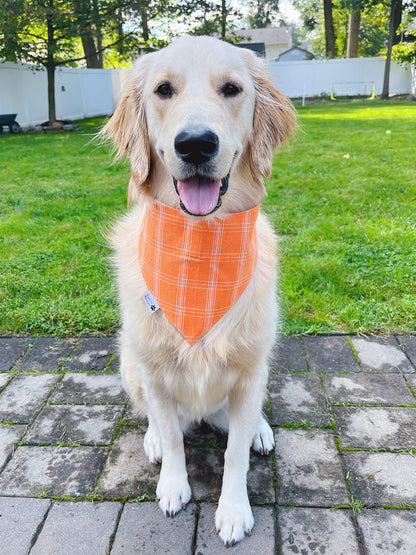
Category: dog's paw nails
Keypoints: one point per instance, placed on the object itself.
(173, 496)
(233, 521)
(263, 440)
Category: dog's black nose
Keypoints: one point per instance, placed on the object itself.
(196, 146)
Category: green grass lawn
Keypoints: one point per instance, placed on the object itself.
(342, 198)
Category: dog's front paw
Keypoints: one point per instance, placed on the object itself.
(152, 445)
(263, 440)
(173, 494)
(233, 521)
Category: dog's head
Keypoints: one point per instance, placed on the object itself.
(199, 121)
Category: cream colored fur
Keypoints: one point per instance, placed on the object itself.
(223, 376)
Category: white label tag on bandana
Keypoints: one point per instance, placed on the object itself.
(150, 302)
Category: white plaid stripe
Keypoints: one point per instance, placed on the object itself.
(213, 274)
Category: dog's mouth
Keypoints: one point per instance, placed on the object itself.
(200, 196)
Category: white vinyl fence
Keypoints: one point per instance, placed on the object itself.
(82, 92)
(343, 77)
(79, 93)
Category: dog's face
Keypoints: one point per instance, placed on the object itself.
(199, 121)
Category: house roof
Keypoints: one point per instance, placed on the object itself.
(267, 35)
(288, 53)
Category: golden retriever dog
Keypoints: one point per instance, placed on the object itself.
(199, 121)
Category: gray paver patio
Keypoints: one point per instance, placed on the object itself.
(12, 349)
(91, 354)
(24, 396)
(309, 470)
(379, 479)
(9, 435)
(47, 355)
(316, 531)
(330, 354)
(4, 378)
(84, 424)
(89, 388)
(372, 427)
(65, 528)
(369, 389)
(20, 519)
(289, 355)
(343, 411)
(388, 531)
(381, 354)
(408, 344)
(56, 471)
(144, 529)
(298, 399)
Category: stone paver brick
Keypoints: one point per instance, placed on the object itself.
(78, 529)
(127, 471)
(86, 424)
(378, 354)
(298, 398)
(330, 354)
(381, 478)
(288, 355)
(262, 539)
(305, 531)
(47, 355)
(388, 531)
(205, 470)
(309, 470)
(376, 427)
(204, 436)
(91, 354)
(372, 389)
(4, 378)
(9, 434)
(143, 528)
(25, 394)
(11, 349)
(59, 471)
(19, 521)
(408, 343)
(89, 388)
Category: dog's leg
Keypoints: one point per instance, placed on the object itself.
(173, 489)
(234, 517)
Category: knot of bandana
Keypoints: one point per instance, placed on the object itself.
(196, 269)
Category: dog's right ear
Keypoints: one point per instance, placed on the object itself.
(127, 128)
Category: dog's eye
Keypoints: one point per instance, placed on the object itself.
(231, 89)
(164, 90)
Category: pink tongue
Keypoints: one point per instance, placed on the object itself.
(198, 195)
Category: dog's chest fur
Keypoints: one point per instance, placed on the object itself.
(199, 376)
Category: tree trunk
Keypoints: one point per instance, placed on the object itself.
(145, 24)
(223, 19)
(98, 34)
(90, 50)
(329, 30)
(353, 34)
(50, 65)
(395, 18)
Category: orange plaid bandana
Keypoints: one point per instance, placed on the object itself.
(196, 269)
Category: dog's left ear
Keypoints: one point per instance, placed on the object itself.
(127, 128)
(274, 117)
